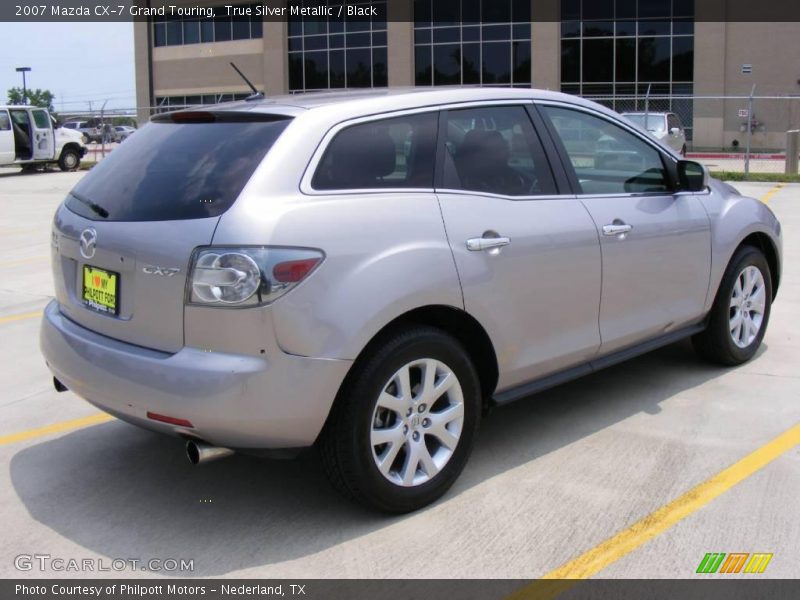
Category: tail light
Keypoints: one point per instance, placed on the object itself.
(247, 276)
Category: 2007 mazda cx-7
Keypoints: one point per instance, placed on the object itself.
(369, 271)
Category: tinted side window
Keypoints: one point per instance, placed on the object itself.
(606, 158)
(390, 153)
(5, 122)
(495, 150)
(41, 120)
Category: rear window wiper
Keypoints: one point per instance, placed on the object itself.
(96, 208)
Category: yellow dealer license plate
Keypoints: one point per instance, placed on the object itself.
(100, 289)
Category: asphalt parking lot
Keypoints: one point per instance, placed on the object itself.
(551, 481)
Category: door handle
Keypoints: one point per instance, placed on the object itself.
(487, 243)
(616, 229)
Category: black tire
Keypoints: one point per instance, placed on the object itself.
(344, 445)
(69, 160)
(683, 151)
(716, 343)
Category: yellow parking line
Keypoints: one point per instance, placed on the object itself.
(598, 558)
(20, 317)
(768, 196)
(55, 428)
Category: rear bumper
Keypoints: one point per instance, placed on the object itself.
(232, 400)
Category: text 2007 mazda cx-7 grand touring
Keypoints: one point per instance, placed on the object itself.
(369, 271)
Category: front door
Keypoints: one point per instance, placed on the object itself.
(655, 244)
(528, 259)
(43, 137)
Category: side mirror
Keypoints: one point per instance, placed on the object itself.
(692, 176)
(675, 130)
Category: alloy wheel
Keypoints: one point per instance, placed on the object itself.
(747, 306)
(417, 422)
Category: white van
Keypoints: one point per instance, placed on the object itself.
(30, 136)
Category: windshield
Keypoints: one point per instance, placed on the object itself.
(171, 171)
(655, 123)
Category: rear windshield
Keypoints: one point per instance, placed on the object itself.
(170, 171)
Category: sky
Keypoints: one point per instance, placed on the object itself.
(78, 62)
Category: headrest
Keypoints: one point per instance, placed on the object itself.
(490, 145)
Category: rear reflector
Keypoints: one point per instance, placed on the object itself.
(170, 420)
(293, 271)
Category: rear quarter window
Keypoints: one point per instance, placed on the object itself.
(397, 152)
(5, 122)
(171, 171)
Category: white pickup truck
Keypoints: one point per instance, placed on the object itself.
(30, 137)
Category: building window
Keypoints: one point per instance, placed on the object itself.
(614, 51)
(481, 42)
(180, 31)
(167, 103)
(338, 52)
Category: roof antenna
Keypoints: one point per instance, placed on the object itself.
(256, 95)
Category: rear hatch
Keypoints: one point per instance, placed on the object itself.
(124, 237)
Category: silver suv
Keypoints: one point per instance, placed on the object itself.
(665, 127)
(368, 272)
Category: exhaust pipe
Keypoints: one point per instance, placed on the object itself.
(200, 452)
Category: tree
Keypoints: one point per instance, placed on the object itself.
(36, 97)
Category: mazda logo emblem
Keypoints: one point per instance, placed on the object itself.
(88, 242)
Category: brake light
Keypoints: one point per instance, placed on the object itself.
(293, 271)
(193, 116)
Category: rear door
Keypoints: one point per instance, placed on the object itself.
(125, 235)
(6, 138)
(43, 137)
(655, 243)
(528, 259)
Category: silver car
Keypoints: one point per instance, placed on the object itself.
(666, 127)
(369, 271)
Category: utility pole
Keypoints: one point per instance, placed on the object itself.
(24, 70)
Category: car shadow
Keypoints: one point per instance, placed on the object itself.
(124, 492)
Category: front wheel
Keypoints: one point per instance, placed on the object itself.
(739, 316)
(69, 159)
(404, 424)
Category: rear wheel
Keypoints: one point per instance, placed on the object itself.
(69, 159)
(404, 424)
(739, 317)
(683, 151)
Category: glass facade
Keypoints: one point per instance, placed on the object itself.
(180, 31)
(617, 50)
(482, 42)
(338, 53)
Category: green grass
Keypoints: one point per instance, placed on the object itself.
(769, 177)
